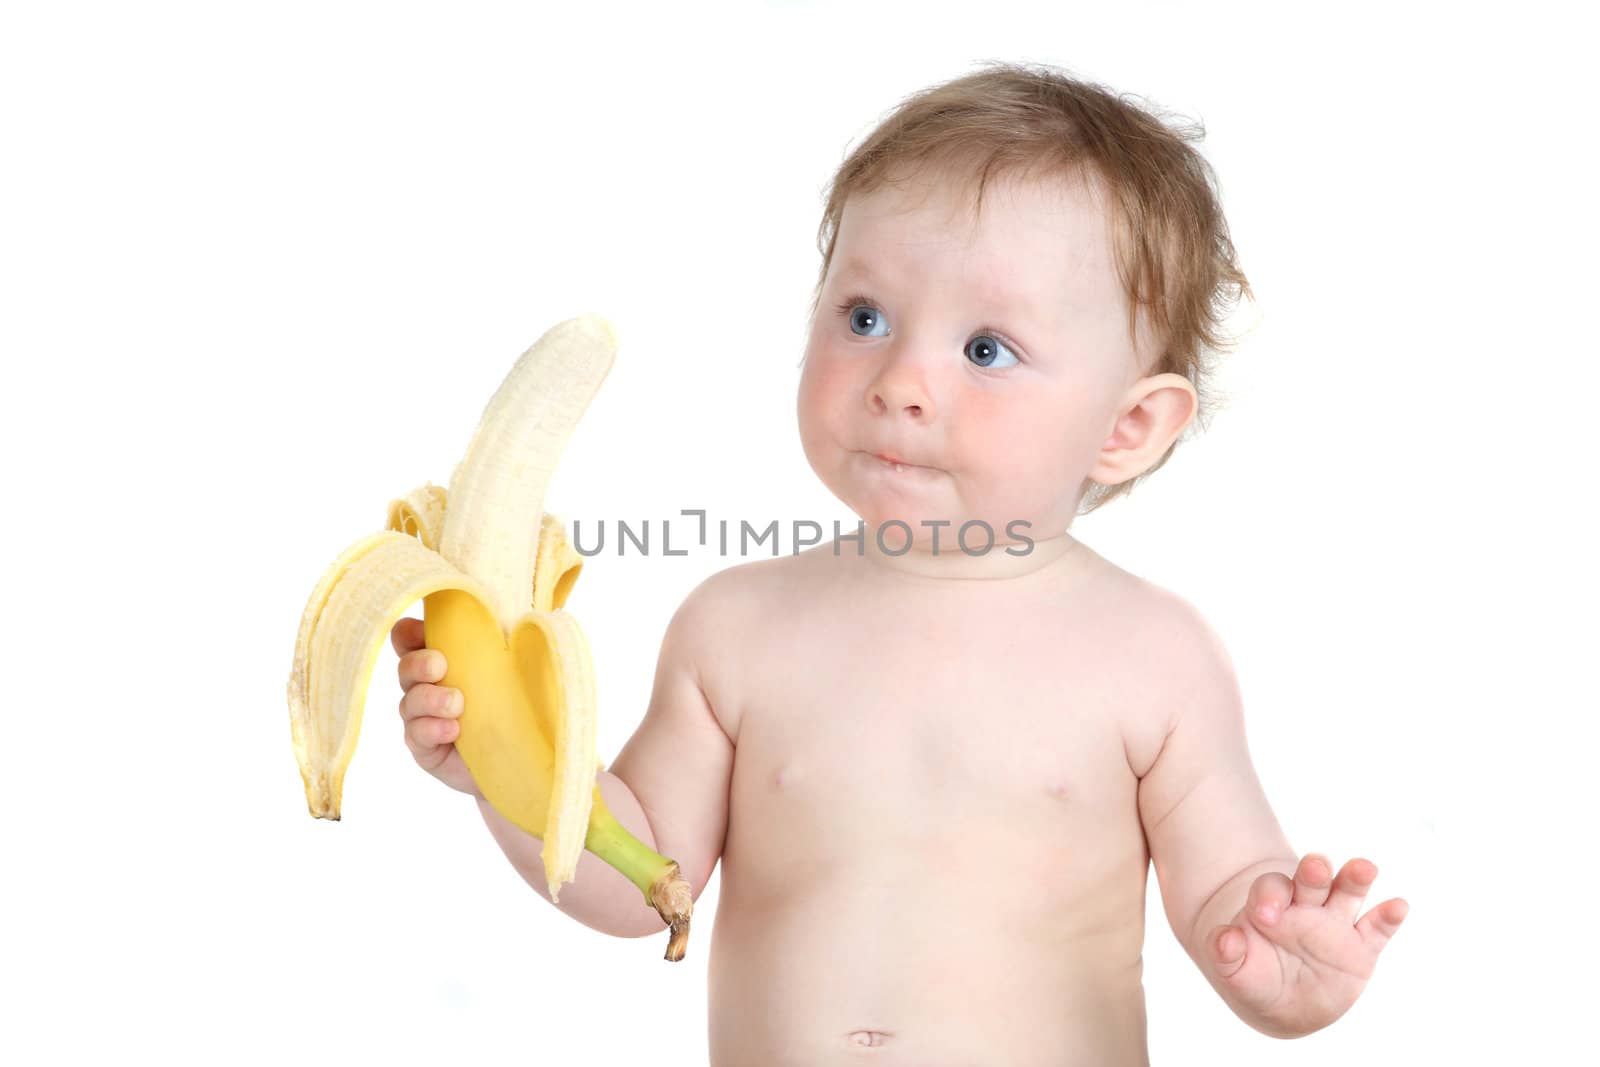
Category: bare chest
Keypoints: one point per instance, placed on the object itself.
(954, 729)
(924, 765)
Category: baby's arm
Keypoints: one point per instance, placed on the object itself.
(1280, 944)
(668, 786)
(1206, 818)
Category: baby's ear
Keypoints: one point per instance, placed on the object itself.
(1153, 413)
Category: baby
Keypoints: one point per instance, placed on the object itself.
(938, 755)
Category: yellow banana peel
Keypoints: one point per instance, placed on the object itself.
(494, 572)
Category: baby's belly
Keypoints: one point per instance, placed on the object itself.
(813, 985)
(985, 948)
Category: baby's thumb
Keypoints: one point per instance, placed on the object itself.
(1227, 947)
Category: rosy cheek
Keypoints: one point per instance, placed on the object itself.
(985, 428)
(819, 403)
(825, 382)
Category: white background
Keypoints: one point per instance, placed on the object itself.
(262, 265)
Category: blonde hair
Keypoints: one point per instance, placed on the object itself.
(1170, 240)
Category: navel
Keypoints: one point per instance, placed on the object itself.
(866, 1038)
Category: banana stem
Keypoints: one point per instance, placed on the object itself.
(657, 877)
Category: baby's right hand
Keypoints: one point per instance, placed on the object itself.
(430, 712)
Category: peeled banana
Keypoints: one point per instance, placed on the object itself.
(494, 571)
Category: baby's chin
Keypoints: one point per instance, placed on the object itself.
(902, 524)
(929, 508)
(929, 529)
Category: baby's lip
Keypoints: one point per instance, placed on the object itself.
(890, 457)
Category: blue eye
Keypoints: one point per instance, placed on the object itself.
(864, 314)
(984, 350)
(989, 349)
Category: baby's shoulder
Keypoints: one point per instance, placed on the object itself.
(1165, 651)
(718, 631)
(731, 593)
(1140, 609)
(1173, 624)
(722, 615)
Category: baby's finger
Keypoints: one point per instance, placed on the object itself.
(1378, 925)
(422, 665)
(1350, 888)
(430, 741)
(1311, 880)
(430, 701)
(426, 733)
(1269, 896)
(406, 635)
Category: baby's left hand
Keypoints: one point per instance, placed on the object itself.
(1295, 956)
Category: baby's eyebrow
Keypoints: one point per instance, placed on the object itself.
(1011, 304)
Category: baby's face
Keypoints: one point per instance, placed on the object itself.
(994, 365)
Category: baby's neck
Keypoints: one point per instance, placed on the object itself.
(1002, 561)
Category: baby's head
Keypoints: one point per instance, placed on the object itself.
(1023, 287)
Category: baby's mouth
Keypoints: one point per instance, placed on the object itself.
(899, 466)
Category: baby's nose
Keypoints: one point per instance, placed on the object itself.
(889, 397)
